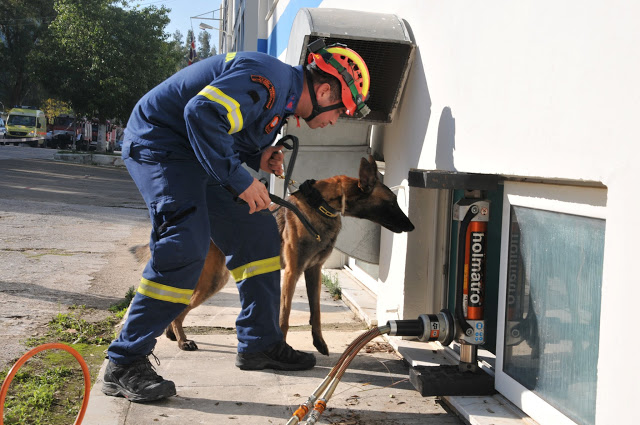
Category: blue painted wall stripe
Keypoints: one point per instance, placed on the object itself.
(262, 45)
(279, 37)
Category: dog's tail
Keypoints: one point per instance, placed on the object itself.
(141, 252)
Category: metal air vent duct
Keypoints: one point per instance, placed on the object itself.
(382, 40)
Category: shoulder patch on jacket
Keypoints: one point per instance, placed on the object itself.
(272, 124)
(269, 86)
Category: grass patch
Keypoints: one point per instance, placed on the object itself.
(332, 284)
(119, 309)
(49, 388)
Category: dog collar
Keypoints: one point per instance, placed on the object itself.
(315, 199)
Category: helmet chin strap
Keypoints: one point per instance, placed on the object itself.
(317, 110)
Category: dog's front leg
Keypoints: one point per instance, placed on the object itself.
(313, 279)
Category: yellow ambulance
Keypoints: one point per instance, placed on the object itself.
(27, 122)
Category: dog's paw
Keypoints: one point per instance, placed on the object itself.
(188, 345)
(321, 346)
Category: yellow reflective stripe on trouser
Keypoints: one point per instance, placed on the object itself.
(230, 56)
(255, 268)
(233, 108)
(164, 292)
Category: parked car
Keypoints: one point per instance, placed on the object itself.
(3, 129)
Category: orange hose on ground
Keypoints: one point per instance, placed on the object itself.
(50, 346)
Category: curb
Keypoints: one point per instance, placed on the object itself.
(90, 159)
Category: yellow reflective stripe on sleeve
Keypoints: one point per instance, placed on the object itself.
(255, 268)
(230, 56)
(233, 108)
(164, 292)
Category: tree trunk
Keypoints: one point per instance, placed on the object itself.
(102, 138)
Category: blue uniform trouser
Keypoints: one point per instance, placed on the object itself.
(187, 207)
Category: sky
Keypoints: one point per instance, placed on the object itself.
(182, 10)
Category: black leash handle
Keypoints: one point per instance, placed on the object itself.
(280, 201)
(294, 154)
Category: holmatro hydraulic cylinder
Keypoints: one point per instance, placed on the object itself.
(467, 325)
(473, 215)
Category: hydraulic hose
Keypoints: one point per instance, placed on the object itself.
(304, 408)
(428, 327)
(321, 395)
(50, 346)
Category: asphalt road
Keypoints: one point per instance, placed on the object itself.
(65, 234)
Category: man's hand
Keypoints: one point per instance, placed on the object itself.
(272, 159)
(256, 196)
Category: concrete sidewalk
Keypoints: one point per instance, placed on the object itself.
(211, 390)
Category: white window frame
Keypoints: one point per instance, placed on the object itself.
(369, 282)
(583, 201)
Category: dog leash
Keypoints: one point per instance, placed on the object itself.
(280, 201)
(292, 161)
(277, 200)
(287, 176)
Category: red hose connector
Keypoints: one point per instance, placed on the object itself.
(299, 414)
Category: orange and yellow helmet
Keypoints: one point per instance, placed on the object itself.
(349, 68)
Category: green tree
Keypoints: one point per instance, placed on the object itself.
(23, 27)
(205, 49)
(101, 58)
(52, 108)
(179, 49)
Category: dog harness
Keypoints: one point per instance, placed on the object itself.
(315, 199)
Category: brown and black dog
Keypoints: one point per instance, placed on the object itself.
(322, 203)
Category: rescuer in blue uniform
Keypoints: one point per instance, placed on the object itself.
(184, 145)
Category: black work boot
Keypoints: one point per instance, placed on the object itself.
(137, 381)
(279, 356)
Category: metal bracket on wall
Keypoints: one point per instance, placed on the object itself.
(437, 179)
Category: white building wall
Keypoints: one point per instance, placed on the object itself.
(529, 88)
(252, 25)
(535, 88)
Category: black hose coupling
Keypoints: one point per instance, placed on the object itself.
(427, 327)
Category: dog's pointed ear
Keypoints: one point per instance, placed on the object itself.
(368, 174)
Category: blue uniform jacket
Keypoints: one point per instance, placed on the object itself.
(226, 109)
